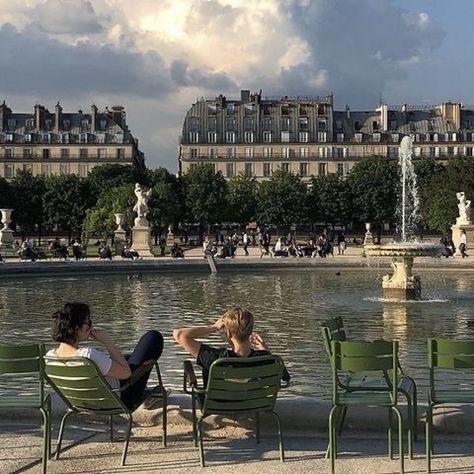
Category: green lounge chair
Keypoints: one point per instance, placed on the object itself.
(444, 354)
(358, 357)
(236, 386)
(82, 387)
(333, 330)
(21, 361)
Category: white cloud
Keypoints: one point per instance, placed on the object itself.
(155, 57)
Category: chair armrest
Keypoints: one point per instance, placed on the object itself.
(189, 377)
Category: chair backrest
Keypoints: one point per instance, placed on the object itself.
(243, 384)
(450, 354)
(332, 330)
(23, 360)
(365, 357)
(80, 384)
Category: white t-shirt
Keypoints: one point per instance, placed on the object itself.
(103, 362)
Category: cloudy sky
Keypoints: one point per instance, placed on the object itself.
(156, 57)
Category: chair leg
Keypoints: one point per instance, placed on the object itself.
(46, 435)
(332, 438)
(61, 433)
(429, 436)
(111, 428)
(257, 427)
(165, 418)
(200, 441)
(342, 419)
(193, 409)
(410, 427)
(280, 437)
(127, 438)
(400, 439)
(389, 433)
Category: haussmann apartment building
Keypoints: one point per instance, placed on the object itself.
(53, 143)
(307, 136)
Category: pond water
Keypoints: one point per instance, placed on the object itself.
(288, 307)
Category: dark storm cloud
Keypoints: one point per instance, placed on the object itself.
(66, 17)
(42, 66)
(357, 45)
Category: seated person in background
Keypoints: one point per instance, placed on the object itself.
(27, 251)
(57, 249)
(128, 252)
(104, 251)
(73, 325)
(77, 249)
(177, 251)
(162, 246)
(237, 326)
(279, 250)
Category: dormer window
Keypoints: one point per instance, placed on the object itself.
(66, 124)
(47, 124)
(30, 124)
(103, 124)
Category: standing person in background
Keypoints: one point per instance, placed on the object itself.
(341, 243)
(463, 244)
(245, 242)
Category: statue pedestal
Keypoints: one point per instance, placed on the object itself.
(141, 240)
(456, 236)
(170, 239)
(6, 238)
(402, 285)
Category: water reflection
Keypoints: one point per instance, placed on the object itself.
(288, 307)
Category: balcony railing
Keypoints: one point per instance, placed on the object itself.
(71, 157)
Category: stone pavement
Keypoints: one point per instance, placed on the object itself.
(227, 451)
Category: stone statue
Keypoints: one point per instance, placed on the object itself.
(464, 206)
(141, 207)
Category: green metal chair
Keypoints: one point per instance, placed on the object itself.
(364, 357)
(333, 330)
(27, 360)
(236, 386)
(82, 387)
(444, 354)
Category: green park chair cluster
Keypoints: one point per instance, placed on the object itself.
(363, 374)
(370, 374)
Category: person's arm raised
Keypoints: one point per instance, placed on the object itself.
(119, 368)
(186, 337)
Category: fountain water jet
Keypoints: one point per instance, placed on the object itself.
(402, 285)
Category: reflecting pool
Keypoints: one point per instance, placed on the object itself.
(288, 307)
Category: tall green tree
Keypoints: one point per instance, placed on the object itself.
(374, 182)
(441, 201)
(28, 213)
(100, 221)
(101, 178)
(65, 202)
(242, 198)
(329, 200)
(166, 201)
(282, 200)
(205, 196)
(6, 194)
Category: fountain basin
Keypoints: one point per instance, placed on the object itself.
(402, 285)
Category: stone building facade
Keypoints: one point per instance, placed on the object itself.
(56, 142)
(307, 136)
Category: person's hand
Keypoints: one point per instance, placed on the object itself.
(219, 324)
(100, 336)
(258, 342)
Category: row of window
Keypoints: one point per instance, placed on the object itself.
(64, 153)
(48, 124)
(63, 138)
(249, 137)
(322, 152)
(9, 170)
(268, 168)
(322, 109)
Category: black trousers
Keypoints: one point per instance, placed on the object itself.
(149, 347)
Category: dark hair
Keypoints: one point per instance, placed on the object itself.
(68, 320)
